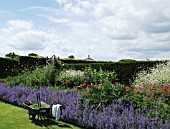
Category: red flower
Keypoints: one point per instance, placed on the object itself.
(99, 84)
(127, 88)
(78, 87)
(134, 87)
(63, 87)
(165, 90)
(85, 81)
(75, 89)
(135, 91)
(68, 81)
(84, 84)
(87, 88)
(31, 103)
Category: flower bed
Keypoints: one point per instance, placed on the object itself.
(116, 115)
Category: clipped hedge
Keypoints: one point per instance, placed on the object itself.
(126, 71)
(30, 63)
(81, 61)
(8, 67)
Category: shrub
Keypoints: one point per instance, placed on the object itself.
(103, 94)
(158, 74)
(87, 76)
(39, 77)
(153, 88)
(70, 78)
(99, 76)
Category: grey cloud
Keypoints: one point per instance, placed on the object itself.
(123, 37)
(156, 28)
(151, 50)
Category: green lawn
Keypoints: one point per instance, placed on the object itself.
(13, 117)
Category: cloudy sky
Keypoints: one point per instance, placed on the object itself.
(103, 29)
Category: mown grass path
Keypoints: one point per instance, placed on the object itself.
(13, 117)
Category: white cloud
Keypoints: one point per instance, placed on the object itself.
(121, 29)
(77, 7)
(30, 39)
(55, 20)
(19, 25)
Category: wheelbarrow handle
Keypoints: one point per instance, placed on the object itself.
(38, 100)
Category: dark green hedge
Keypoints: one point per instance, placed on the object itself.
(8, 67)
(125, 71)
(30, 63)
(81, 61)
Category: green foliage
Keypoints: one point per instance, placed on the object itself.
(126, 72)
(75, 78)
(105, 94)
(40, 77)
(158, 108)
(89, 75)
(153, 90)
(92, 75)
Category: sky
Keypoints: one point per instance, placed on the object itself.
(104, 29)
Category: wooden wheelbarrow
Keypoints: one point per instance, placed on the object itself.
(34, 110)
(40, 109)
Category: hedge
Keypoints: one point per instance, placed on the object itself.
(30, 63)
(126, 71)
(8, 67)
(81, 61)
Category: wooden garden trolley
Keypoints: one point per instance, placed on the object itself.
(40, 109)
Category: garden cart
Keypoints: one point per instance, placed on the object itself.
(40, 109)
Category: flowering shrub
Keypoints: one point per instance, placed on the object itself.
(70, 78)
(150, 95)
(105, 93)
(159, 74)
(153, 90)
(88, 76)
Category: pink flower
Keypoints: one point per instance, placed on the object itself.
(68, 81)
(63, 87)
